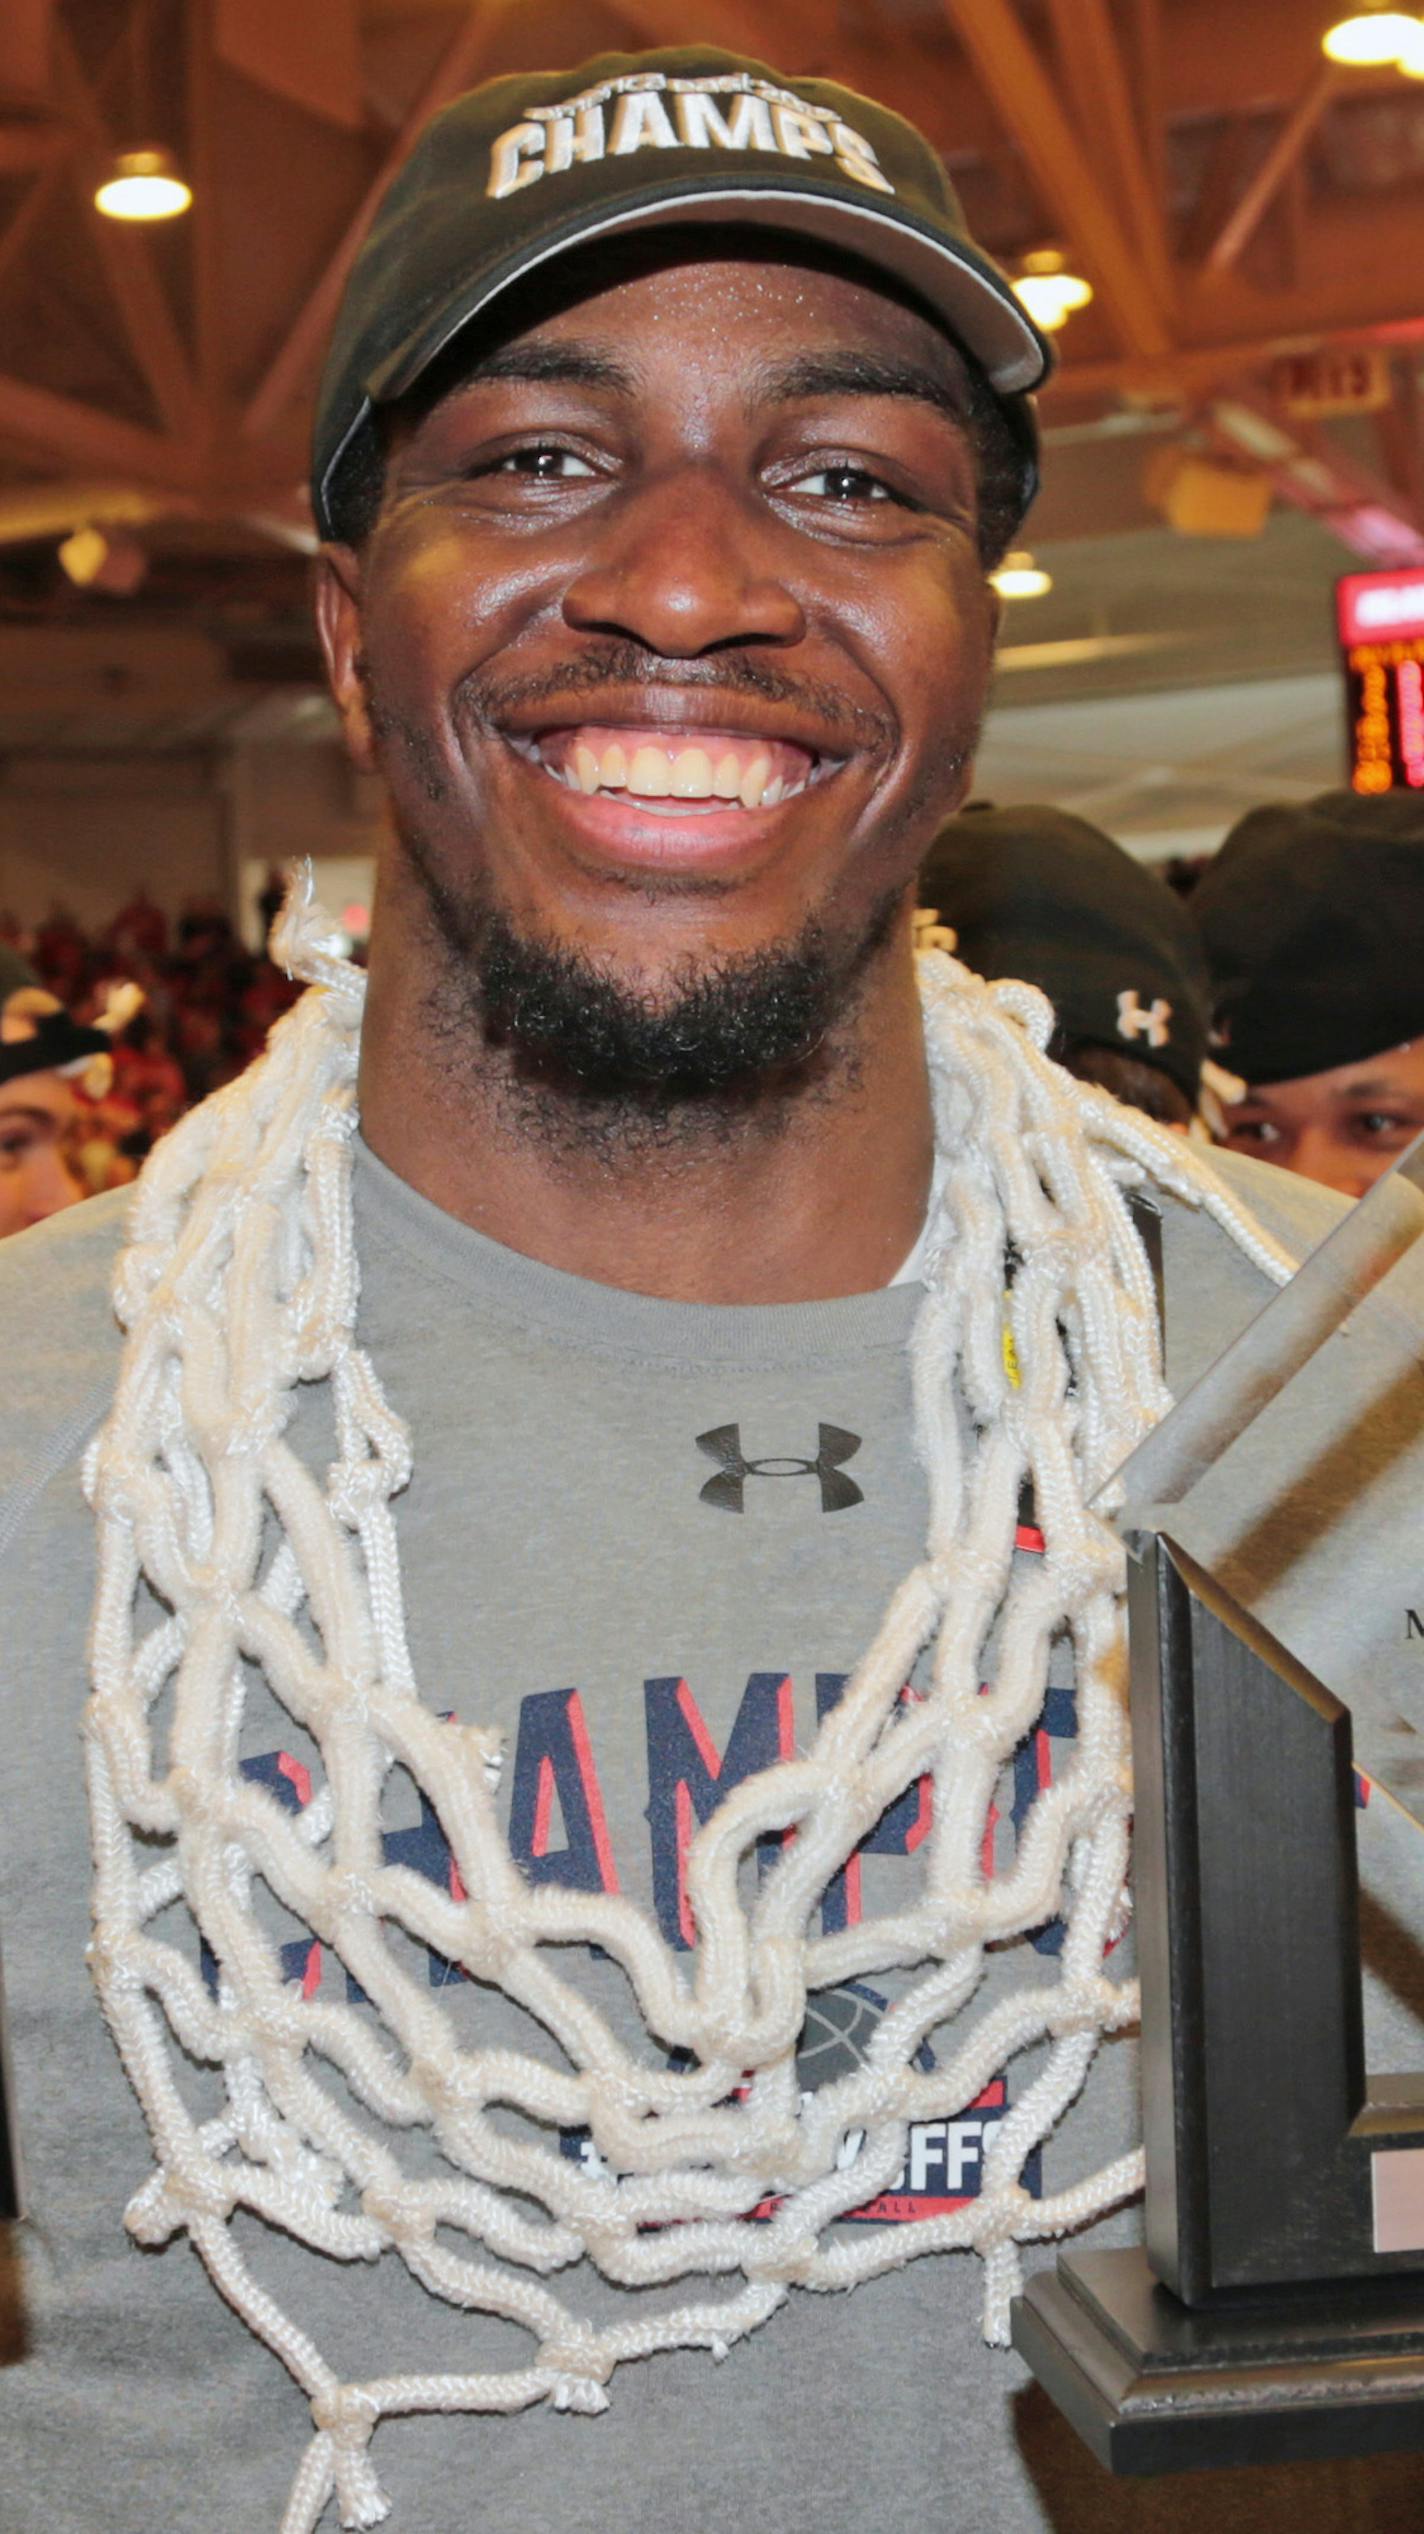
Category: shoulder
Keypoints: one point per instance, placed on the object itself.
(1297, 1212)
(62, 1341)
(1213, 1285)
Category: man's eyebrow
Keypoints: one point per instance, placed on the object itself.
(863, 374)
(552, 364)
(1375, 1086)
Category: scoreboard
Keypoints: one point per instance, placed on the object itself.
(1380, 618)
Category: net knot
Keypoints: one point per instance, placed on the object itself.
(347, 2414)
(792, 2265)
(111, 1962)
(579, 2370)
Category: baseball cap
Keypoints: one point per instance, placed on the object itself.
(1312, 916)
(521, 170)
(47, 1042)
(1032, 892)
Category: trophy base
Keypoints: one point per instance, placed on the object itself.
(1152, 2385)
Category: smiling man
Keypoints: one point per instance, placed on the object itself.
(606, 1766)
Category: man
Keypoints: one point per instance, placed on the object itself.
(42, 1051)
(1030, 891)
(1312, 916)
(603, 1864)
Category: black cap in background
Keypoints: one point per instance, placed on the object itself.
(1312, 916)
(1033, 892)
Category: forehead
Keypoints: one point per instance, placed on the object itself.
(672, 301)
(45, 1098)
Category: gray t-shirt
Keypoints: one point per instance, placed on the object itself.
(647, 1541)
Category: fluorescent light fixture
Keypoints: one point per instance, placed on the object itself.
(144, 185)
(1372, 36)
(108, 560)
(1018, 576)
(1047, 289)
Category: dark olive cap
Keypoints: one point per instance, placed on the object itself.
(1312, 916)
(526, 168)
(59, 1044)
(1033, 892)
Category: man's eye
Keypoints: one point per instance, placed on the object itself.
(1254, 1130)
(545, 465)
(843, 484)
(1378, 1123)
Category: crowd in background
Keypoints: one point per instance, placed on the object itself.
(1266, 998)
(208, 1004)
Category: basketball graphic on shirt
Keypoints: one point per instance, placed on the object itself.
(836, 2036)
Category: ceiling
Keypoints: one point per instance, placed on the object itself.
(1235, 202)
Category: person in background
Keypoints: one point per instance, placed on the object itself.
(1312, 920)
(41, 1119)
(1032, 892)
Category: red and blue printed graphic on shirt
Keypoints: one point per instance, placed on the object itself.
(558, 1832)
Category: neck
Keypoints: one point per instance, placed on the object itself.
(815, 1189)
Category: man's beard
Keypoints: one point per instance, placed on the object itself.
(591, 1060)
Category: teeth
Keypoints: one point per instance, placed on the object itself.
(692, 775)
(755, 781)
(650, 774)
(689, 775)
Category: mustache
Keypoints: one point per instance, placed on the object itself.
(623, 665)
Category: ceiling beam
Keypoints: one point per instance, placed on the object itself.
(124, 253)
(1399, 428)
(306, 336)
(1311, 472)
(1096, 73)
(27, 147)
(77, 435)
(1281, 160)
(1023, 94)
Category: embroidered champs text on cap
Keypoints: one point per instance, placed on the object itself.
(525, 168)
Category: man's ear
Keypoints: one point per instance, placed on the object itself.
(338, 624)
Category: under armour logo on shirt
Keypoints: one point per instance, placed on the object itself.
(723, 1444)
(1133, 1022)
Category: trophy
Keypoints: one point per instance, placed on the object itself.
(1276, 2311)
(10, 2206)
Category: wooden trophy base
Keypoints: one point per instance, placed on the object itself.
(1152, 2385)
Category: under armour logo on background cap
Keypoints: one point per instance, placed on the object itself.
(723, 1444)
(1154, 1024)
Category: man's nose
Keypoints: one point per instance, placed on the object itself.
(686, 566)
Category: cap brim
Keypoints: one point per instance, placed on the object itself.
(975, 301)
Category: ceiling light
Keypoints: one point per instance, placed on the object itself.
(1410, 57)
(1018, 576)
(1048, 290)
(1371, 36)
(96, 560)
(143, 185)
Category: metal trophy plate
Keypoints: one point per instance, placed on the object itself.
(1277, 2310)
(10, 2205)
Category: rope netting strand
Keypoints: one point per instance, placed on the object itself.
(240, 1281)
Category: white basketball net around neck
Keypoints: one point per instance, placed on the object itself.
(240, 1281)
